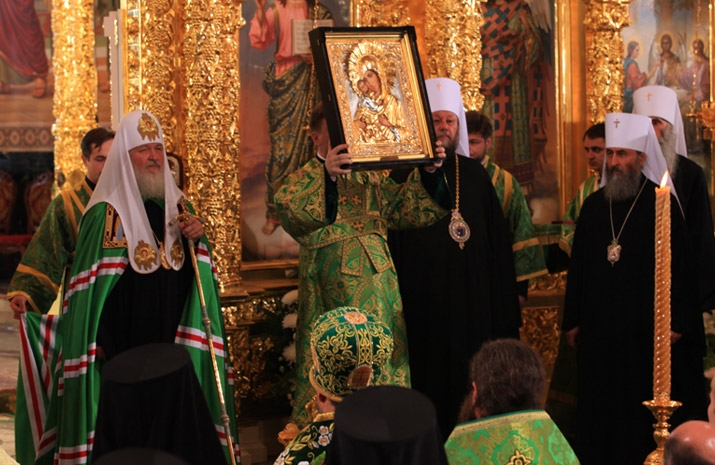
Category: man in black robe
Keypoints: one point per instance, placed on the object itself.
(609, 302)
(457, 281)
(661, 105)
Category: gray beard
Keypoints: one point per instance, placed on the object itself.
(667, 146)
(620, 186)
(150, 187)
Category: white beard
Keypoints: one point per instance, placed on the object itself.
(667, 146)
(151, 186)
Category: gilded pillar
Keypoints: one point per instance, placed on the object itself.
(75, 97)
(211, 80)
(160, 36)
(452, 32)
(604, 62)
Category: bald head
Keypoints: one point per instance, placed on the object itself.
(692, 443)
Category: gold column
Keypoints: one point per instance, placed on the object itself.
(211, 81)
(452, 31)
(75, 97)
(160, 35)
(604, 50)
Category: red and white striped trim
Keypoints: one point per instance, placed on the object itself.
(203, 255)
(32, 385)
(84, 279)
(77, 367)
(192, 337)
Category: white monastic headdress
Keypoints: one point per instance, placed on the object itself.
(662, 102)
(118, 187)
(445, 95)
(635, 132)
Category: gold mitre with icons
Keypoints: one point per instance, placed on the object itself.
(349, 351)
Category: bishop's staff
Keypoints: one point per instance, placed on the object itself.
(209, 337)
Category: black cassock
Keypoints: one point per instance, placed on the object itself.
(456, 299)
(613, 307)
(689, 181)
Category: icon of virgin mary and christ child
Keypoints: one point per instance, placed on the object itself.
(378, 114)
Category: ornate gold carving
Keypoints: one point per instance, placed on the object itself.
(249, 351)
(452, 32)
(541, 331)
(132, 52)
(604, 50)
(211, 66)
(381, 13)
(161, 31)
(75, 107)
(549, 282)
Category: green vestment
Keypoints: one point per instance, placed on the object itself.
(573, 211)
(67, 431)
(344, 258)
(311, 444)
(51, 250)
(525, 437)
(528, 256)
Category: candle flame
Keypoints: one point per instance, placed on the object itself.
(664, 180)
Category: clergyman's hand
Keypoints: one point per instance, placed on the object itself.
(572, 337)
(191, 227)
(335, 161)
(18, 304)
(441, 155)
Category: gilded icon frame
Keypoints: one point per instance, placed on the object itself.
(385, 120)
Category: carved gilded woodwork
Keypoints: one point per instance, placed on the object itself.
(159, 35)
(75, 97)
(452, 32)
(604, 50)
(210, 114)
(388, 13)
(542, 331)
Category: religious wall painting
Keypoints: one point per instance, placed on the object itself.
(374, 96)
(27, 78)
(667, 44)
(519, 89)
(278, 91)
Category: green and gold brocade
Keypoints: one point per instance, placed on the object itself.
(528, 255)
(526, 437)
(311, 443)
(51, 250)
(346, 261)
(573, 211)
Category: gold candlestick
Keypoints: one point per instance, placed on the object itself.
(661, 406)
(662, 410)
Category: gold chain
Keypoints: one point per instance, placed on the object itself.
(456, 182)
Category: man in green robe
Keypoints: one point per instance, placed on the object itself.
(528, 256)
(50, 252)
(350, 351)
(594, 147)
(502, 419)
(132, 284)
(340, 218)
